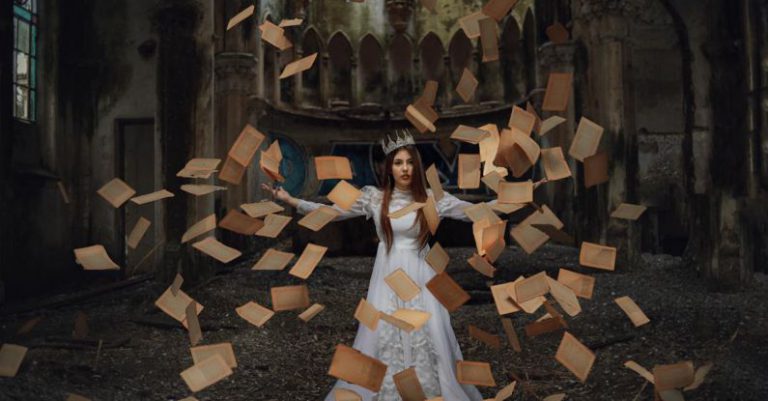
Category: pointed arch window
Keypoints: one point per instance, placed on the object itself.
(25, 60)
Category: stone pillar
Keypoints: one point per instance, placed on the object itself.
(234, 74)
(447, 82)
(354, 77)
(325, 79)
(185, 122)
(561, 195)
(298, 83)
(608, 102)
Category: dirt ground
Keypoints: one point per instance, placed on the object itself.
(144, 351)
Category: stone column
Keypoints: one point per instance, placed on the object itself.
(325, 79)
(561, 195)
(234, 74)
(6, 145)
(185, 122)
(354, 77)
(609, 103)
(298, 83)
(447, 82)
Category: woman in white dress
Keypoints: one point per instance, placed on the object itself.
(432, 350)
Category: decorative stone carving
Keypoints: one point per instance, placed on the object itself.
(557, 55)
(235, 72)
(399, 12)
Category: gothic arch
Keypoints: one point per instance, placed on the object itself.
(512, 57)
(371, 60)
(431, 52)
(400, 67)
(310, 79)
(340, 56)
(460, 51)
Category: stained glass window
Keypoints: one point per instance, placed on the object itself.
(25, 59)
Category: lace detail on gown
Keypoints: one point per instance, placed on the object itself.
(392, 352)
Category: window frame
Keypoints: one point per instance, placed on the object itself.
(25, 12)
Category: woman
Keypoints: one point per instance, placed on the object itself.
(433, 349)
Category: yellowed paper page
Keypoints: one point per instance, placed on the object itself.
(558, 91)
(353, 366)
(261, 209)
(232, 171)
(475, 373)
(319, 218)
(489, 38)
(597, 256)
(199, 168)
(215, 249)
(201, 189)
(408, 385)
(575, 356)
(308, 261)
(333, 167)
(289, 297)
(433, 178)
(240, 17)
(565, 297)
(628, 211)
(116, 192)
(273, 260)
(516, 192)
(632, 310)
(193, 324)
(485, 337)
(246, 145)
(137, 233)
(413, 207)
(402, 285)
(469, 134)
(470, 24)
(95, 257)
(240, 223)
(367, 314)
(199, 228)
(678, 375)
(550, 123)
(469, 171)
(586, 140)
(206, 373)
(311, 312)
(467, 85)
(273, 225)
(522, 120)
(498, 9)
(530, 238)
(298, 66)
(504, 303)
(634, 366)
(481, 265)
(11, 356)
(531, 287)
(512, 337)
(437, 258)
(254, 313)
(554, 164)
(203, 352)
(344, 195)
(581, 284)
(447, 291)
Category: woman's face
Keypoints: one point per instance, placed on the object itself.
(402, 169)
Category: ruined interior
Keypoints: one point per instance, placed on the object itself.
(95, 90)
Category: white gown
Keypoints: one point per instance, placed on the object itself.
(433, 349)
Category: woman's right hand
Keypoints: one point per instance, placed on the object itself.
(279, 193)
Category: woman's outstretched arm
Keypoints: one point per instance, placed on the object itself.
(361, 207)
(452, 207)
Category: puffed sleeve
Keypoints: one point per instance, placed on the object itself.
(452, 207)
(363, 206)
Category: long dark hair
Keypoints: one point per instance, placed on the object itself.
(418, 191)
